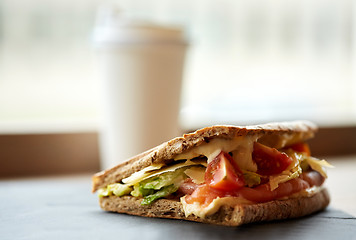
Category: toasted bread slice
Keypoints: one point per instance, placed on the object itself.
(272, 134)
(228, 216)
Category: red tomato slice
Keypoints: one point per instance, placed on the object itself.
(301, 147)
(204, 195)
(263, 193)
(269, 161)
(222, 175)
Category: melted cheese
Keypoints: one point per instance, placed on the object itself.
(292, 171)
(155, 170)
(318, 165)
(197, 174)
(199, 211)
(137, 176)
(241, 148)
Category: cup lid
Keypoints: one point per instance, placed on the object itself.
(112, 27)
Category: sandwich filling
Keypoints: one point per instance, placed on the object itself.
(227, 172)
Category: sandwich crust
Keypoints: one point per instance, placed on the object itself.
(228, 216)
(272, 134)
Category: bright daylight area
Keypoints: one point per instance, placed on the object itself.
(247, 62)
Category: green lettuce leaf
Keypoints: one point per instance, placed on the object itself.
(140, 191)
(116, 189)
(164, 192)
(159, 186)
(164, 179)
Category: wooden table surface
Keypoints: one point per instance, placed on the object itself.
(62, 207)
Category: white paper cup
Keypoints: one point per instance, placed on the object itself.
(140, 68)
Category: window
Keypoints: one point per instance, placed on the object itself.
(248, 62)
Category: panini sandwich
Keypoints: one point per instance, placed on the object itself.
(225, 175)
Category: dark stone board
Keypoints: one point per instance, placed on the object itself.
(64, 208)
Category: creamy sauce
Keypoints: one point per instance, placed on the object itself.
(200, 211)
(305, 192)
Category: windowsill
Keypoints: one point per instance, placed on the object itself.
(61, 147)
(49, 126)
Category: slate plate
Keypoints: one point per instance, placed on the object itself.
(64, 208)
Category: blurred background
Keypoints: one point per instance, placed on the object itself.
(248, 62)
